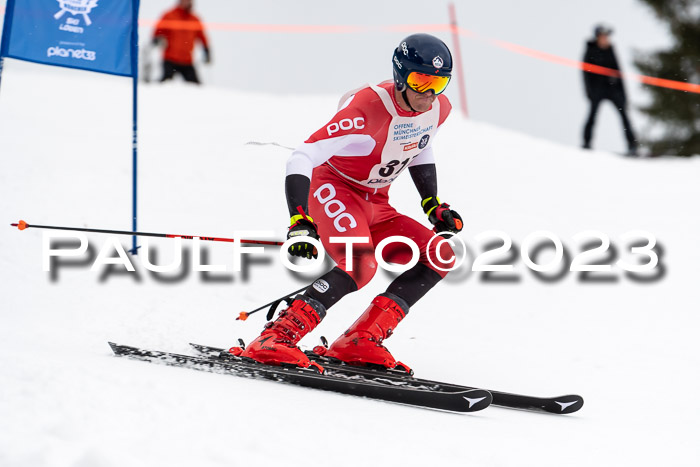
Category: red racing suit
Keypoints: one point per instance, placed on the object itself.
(352, 162)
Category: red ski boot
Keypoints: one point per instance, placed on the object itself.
(362, 343)
(277, 343)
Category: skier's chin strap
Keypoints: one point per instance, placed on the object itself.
(405, 99)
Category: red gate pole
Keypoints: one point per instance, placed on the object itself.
(458, 58)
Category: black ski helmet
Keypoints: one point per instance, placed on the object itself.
(602, 30)
(422, 53)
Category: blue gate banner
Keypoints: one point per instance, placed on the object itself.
(95, 35)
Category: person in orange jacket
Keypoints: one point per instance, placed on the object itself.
(179, 28)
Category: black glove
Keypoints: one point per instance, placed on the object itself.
(441, 216)
(303, 226)
(207, 56)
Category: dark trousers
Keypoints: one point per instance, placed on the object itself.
(620, 103)
(187, 71)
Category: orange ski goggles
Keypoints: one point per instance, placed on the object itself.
(421, 82)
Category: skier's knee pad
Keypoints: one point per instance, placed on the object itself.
(331, 287)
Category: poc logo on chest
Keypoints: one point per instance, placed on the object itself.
(334, 208)
(346, 124)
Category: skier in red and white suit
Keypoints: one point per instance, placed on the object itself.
(337, 186)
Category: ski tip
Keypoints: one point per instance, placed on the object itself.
(242, 316)
(113, 346)
(566, 404)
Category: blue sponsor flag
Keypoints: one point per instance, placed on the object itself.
(95, 35)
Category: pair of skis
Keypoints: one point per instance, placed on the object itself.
(381, 384)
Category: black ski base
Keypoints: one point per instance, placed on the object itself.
(464, 400)
(556, 405)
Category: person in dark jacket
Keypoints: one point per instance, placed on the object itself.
(599, 87)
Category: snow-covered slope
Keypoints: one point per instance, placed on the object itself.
(628, 346)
